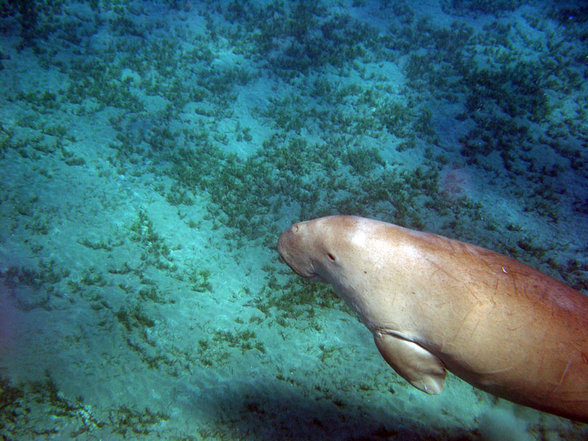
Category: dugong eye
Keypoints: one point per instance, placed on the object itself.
(331, 257)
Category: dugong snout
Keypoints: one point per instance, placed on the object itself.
(294, 251)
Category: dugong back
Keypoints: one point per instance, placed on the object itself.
(535, 339)
(501, 325)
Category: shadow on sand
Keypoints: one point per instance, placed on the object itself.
(278, 411)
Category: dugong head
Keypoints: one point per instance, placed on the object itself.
(313, 249)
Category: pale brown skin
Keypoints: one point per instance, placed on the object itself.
(434, 303)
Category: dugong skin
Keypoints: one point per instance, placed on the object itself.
(434, 303)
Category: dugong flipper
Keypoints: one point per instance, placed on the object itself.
(434, 303)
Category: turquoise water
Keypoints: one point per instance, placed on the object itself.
(152, 152)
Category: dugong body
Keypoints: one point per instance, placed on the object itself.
(434, 303)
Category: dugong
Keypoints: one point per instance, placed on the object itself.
(434, 303)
